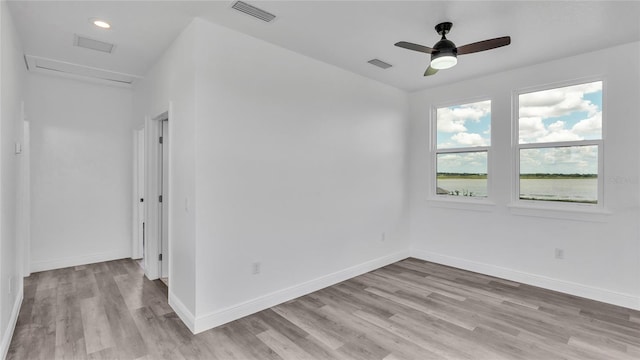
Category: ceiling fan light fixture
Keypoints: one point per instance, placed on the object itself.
(444, 54)
(441, 61)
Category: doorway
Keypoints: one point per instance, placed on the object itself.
(157, 227)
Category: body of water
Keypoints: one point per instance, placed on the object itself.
(580, 190)
(477, 187)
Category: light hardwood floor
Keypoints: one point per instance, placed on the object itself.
(409, 310)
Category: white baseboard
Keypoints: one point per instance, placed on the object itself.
(11, 326)
(60, 263)
(183, 313)
(217, 318)
(568, 287)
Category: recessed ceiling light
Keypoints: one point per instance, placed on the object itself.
(100, 23)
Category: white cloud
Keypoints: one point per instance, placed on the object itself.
(590, 126)
(472, 162)
(531, 128)
(579, 159)
(558, 102)
(467, 139)
(530, 161)
(538, 107)
(541, 98)
(558, 132)
(567, 160)
(453, 119)
(587, 88)
(449, 124)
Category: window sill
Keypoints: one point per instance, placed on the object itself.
(451, 202)
(575, 212)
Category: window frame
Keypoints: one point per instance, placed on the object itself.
(599, 207)
(433, 171)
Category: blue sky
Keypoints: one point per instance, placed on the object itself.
(464, 126)
(565, 114)
(571, 113)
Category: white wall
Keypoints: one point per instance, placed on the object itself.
(294, 164)
(12, 73)
(172, 81)
(602, 252)
(81, 154)
(300, 167)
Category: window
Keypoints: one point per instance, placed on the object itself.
(560, 144)
(463, 138)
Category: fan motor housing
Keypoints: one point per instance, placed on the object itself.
(445, 45)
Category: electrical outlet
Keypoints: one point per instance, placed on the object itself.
(559, 253)
(256, 268)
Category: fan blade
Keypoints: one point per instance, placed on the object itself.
(484, 45)
(414, 47)
(430, 71)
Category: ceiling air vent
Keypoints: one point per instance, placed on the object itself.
(97, 45)
(253, 11)
(51, 66)
(379, 63)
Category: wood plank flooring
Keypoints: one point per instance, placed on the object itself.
(408, 310)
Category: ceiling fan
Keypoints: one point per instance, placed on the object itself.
(444, 53)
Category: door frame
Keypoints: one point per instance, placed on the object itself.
(24, 198)
(164, 207)
(153, 215)
(139, 182)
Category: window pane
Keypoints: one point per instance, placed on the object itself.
(462, 174)
(568, 174)
(464, 125)
(563, 114)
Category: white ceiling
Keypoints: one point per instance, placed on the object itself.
(344, 33)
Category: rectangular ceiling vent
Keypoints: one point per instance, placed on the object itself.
(253, 11)
(379, 63)
(92, 44)
(77, 71)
